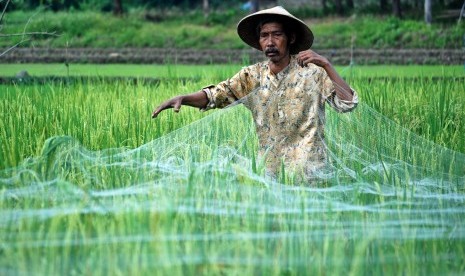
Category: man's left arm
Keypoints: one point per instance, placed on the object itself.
(342, 89)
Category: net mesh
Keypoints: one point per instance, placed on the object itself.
(201, 198)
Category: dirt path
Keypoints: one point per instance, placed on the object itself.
(194, 56)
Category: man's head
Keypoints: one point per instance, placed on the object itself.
(275, 39)
(299, 36)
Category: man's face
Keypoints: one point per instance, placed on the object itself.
(274, 42)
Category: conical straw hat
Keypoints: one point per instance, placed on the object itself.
(247, 29)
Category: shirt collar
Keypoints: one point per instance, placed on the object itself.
(283, 72)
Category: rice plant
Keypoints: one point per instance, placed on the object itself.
(91, 185)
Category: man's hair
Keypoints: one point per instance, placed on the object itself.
(288, 25)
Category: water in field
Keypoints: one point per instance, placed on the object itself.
(199, 201)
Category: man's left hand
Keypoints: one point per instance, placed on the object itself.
(309, 56)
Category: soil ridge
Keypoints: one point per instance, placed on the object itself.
(213, 56)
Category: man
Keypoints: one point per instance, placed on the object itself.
(286, 94)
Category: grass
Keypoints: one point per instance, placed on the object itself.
(218, 71)
(120, 70)
(27, 110)
(187, 203)
(191, 30)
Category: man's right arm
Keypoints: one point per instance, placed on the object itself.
(198, 99)
(217, 96)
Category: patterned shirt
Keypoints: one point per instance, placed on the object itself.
(288, 110)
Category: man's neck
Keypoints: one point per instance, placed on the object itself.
(278, 66)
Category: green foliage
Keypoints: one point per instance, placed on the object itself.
(217, 31)
(71, 103)
(385, 32)
(307, 12)
(216, 71)
(56, 220)
(228, 17)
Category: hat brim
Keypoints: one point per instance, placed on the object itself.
(247, 30)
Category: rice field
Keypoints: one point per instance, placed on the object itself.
(90, 184)
(215, 71)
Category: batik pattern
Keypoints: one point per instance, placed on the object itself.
(288, 110)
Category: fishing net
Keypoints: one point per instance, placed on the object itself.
(201, 200)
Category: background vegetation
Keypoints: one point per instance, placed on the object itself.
(184, 25)
(399, 8)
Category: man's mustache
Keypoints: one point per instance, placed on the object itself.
(271, 51)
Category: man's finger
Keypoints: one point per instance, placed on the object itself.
(155, 113)
(158, 110)
(177, 106)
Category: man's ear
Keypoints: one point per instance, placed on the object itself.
(292, 40)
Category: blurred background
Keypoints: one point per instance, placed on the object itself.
(199, 31)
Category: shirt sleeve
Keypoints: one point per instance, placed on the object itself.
(233, 89)
(330, 96)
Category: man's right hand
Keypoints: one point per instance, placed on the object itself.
(198, 99)
(174, 103)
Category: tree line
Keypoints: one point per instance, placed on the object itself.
(398, 8)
